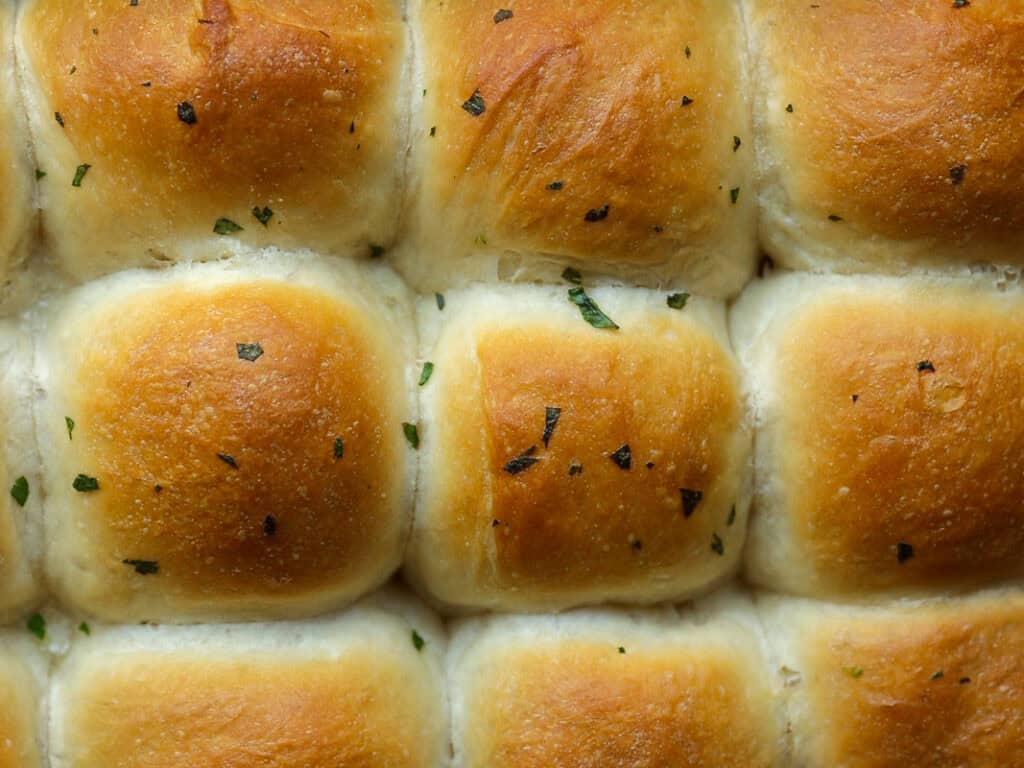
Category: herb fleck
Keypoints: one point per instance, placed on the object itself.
(269, 525)
(621, 649)
(412, 434)
(439, 298)
(502, 15)
(376, 251)
(249, 350)
(936, 675)
(225, 226)
(339, 448)
(428, 370)
(522, 462)
(85, 483)
(575, 468)
(417, 641)
(732, 516)
(597, 214)
(187, 113)
(677, 300)
(19, 491)
(555, 186)
(961, 3)
(736, 143)
(40, 174)
(789, 108)
(84, 628)
(854, 671)
(571, 275)
(690, 500)
(687, 101)
(143, 567)
(926, 365)
(59, 118)
(475, 104)
(904, 551)
(37, 625)
(717, 545)
(834, 217)
(228, 459)
(590, 310)
(957, 173)
(80, 172)
(70, 423)
(262, 215)
(687, 51)
(964, 680)
(734, 194)
(551, 417)
(622, 456)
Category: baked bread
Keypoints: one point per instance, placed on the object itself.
(22, 679)
(349, 691)
(15, 170)
(225, 440)
(890, 450)
(615, 136)
(890, 134)
(565, 464)
(594, 688)
(166, 126)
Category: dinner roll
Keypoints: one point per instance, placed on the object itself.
(931, 685)
(612, 135)
(15, 170)
(564, 464)
(20, 495)
(22, 677)
(171, 130)
(890, 132)
(610, 689)
(890, 448)
(225, 440)
(362, 690)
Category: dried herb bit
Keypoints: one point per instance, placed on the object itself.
(352, 127)
(19, 491)
(834, 217)
(187, 113)
(964, 680)
(376, 251)
(495, 523)
(717, 545)
(677, 300)
(85, 483)
(957, 173)
(475, 104)
(269, 525)
(433, 131)
(143, 567)
(249, 350)
(226, 227)
(262, 215)
(690, 500)
(522, 462)
(736, 143)
(412, 434)
(571, 275)
(961, 3)
(70, 424)
(621, 649)
(904, 551)
(649, 465)
(926, 365)
(228, 459)
(855, 398)
(936, 675)
(40, 174)
(439, 298)
(84, 628)
(80, 172)
(589, 309)
(854, 671)
(597, 214)
(37, 625)
(687, 101)
(789, 108)
(734, 194)
(158, 488)
(417, 641)
(59, 118)
(732, 516)
(133, 3)
(575, 468)
(503, 15)
(339, 448)
(555, 186)
(765, 265)
(687, 51)
(622, 456)
(428, 370)
(551, 417)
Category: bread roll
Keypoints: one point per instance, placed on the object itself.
(351, 691)
(564, 464)
(20, 493)
(22, 677)
(237, 446)
(890, 133)
(932, 685)
(15, 170)
(284, 118)
(890, 449)
(612, 135)
(606, 689)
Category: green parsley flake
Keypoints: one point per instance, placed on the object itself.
(37, 625)
(226, 227)
(417, 641)
(80, 172)
(590, 310)
(428, 370)
(678, 300)
(412, 434)
(70, 423)
(19, 491)
(85, 483)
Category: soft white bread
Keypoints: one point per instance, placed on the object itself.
(612, 135)
(596, 688)
(932, 685)
(564, 464)
(15, 171)
(22, 679)
(243, 423)
(365, 689)
(890, 418)
(285, 117)
(890, 132)
(21, 540)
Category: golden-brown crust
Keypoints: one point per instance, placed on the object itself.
(878, 692)
(888, 99)
(580, 703)
(589, 94)
(18, 747)
(358, 710)
(669, 391)
(876, 448)
(194, 447)
(294, 109)
(14, 182)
